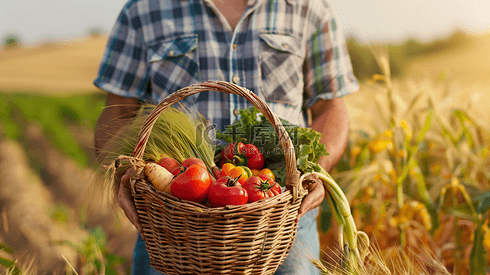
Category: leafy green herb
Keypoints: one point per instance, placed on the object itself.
(253, 127)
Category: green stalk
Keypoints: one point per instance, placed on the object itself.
(382, 58)
(340, 208)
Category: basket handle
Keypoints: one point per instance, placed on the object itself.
(292, 174)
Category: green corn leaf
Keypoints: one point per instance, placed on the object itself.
(10, 265)
(109, 270)
(362, 160)
(426, 127)
(420, 138)
(463, 118)
(478, 256)
(484, 205)
(4, 247)
(421, 185)
(446, 132)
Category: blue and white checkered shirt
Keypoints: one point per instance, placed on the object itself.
(289, 52)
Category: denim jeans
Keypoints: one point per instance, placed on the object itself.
(306, 245)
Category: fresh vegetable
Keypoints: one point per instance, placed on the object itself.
(168, 163)
(260, 187)
(357, 241)
(267, 172)
(160, 177)
(241, 154)
(226, 169)
(231, 150)
(227, 191)
(177, 133)
(240, 172)
(192, 183)
(256, 129)
(193, 160)
(188, 163)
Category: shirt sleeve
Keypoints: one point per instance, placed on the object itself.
(328, 69)
(123, 68)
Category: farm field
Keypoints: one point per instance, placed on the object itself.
(61, 67)
(416, 171)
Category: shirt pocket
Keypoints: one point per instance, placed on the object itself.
(173, 64)
(281, 68)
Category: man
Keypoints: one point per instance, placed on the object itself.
(288, 52)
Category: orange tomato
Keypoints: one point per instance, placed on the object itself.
(255, 172)
(239, 172)
(226, 169)
(267, 172)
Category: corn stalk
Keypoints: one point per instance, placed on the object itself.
(382, 58)
(355, 244)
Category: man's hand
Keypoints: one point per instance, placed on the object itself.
(125, 200)
(118, 112)
(316, 194)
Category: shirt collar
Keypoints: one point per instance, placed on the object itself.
(253, 2)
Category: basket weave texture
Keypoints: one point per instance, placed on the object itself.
(184, 237)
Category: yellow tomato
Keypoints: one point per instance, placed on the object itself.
(226, 169)
(267, 172)
(239, 172)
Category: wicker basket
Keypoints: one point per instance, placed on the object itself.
(183, 237)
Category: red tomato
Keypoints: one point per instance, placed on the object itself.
(249, 150)
(168, 163)
(255, 159)
(231, 150)
(193, 184)
(192, 160)
(227, 191)
(260, 187)
(177, 170)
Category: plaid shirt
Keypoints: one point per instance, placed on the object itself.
(289, 52)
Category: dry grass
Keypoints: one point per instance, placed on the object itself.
(389, 262)
(415, 161)
(65, 67)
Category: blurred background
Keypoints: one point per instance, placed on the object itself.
(416, 169)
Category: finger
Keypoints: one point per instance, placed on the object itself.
(312, 200)
(126, 203)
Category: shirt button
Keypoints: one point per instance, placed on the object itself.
(171, 53)
(155, 58)
(236, 79)
(236, 112)
(234, 46)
